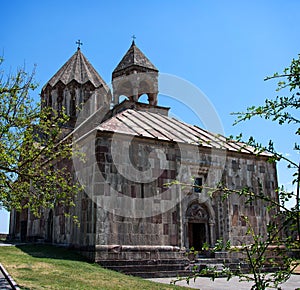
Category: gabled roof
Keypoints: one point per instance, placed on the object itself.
(78, 69)
(134, 57)
(159, 127)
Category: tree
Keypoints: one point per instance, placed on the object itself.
(282, 241)
(283, 110)
(35, 151)
(284, 231)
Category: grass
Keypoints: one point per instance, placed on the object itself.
(49, 267)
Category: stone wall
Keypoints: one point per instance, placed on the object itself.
(169, 228)
(260, 177)
(136, 228)
(125, 218)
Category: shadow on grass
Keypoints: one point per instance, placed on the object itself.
(51, 252)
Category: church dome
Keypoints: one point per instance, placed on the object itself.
(134, 76)
(134, 58)
(77, 69)
(73, 85)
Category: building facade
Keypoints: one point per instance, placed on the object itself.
(152, 182)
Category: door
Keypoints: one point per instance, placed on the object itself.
(197, 235)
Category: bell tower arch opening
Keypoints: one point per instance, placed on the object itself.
(134, 77)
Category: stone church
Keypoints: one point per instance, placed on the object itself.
(150, 180)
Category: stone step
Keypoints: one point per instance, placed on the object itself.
(174, 267)
(233, 265)
(161, 274)
(149, 268)
(211, 260)
(109, 263)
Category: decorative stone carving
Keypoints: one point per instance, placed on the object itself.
(196, 211)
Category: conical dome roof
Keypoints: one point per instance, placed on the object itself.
(134, 57)
(78, 69)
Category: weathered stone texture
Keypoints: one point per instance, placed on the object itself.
(135, 155)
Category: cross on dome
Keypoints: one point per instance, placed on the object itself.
(79, 43)
(133, 38)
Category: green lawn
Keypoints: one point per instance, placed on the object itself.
(48, 267)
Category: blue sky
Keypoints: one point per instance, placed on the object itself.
(225, 48)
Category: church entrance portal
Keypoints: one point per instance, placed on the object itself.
(197, 235)
(198, 226)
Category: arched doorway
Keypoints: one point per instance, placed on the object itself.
(197, 235)
(197, 225)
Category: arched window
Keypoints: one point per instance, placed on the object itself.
(50, 100)
(59, 99)
(198, 183)
(73, 106)
(144, 99)
(122, 98)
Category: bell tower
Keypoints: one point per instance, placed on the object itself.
(134, 76)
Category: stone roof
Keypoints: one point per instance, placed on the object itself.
(138, 123)
(78, 69)
(134, 57)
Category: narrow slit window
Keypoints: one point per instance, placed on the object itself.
(198, 183)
